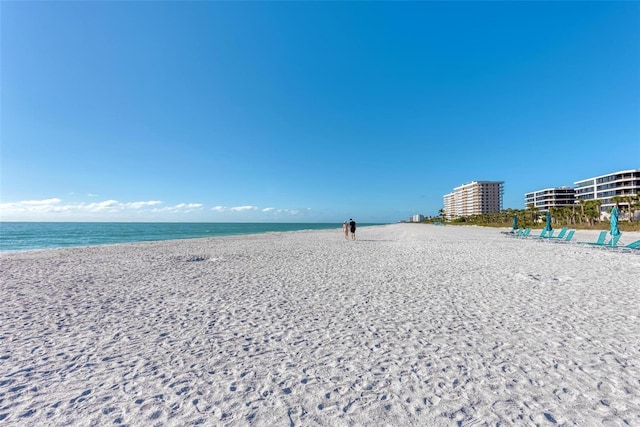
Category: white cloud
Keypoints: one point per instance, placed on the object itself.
(40, 202)
(180, 208)
(100, 206)
(55, 209)
(139, 205)
(244, 208)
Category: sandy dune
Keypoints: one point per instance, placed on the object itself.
(408, 325)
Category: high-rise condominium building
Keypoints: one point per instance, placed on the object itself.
(605, 187)
(475, 198)
(550, 197)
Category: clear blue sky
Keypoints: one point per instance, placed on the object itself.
(307, 111)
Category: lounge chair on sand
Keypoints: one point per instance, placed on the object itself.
(631, 246)
(560, 235)
(600, 241)
(612, 242)
(543, 234)
(568, 237)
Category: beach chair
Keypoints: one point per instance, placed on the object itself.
(600, 241)
(543, 234)
(614, 240)
(561, 234)
(633, 245)
(526, 232)
(565, 239)
(569, 235)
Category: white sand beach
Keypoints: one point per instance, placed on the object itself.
(410, 325)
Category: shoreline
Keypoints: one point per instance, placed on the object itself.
(20, 236)
(404, 326)
(583, 233)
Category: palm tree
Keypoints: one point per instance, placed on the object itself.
(566, 213)
(629, 201)
(533, 211)
(582, 203)
(592, 211)
(634, 205)
(598, 204)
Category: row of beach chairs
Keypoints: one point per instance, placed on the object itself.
(565, 235)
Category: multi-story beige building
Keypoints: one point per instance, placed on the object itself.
(474, 198)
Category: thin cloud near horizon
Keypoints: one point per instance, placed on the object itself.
(33, 209)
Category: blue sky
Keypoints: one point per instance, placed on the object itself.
(307, 111)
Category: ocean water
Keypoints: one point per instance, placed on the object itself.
(20, 236)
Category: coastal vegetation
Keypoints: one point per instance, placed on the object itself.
(584, 215)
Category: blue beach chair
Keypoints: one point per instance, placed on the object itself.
(614, 240)
(631, 246)
(569, 235)
(543, 234)
(564, 239)
(561, 234)
(600, 241)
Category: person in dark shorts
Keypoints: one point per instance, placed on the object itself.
(352, 227)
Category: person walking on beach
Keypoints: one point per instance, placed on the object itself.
(345, 228)
(352, 226)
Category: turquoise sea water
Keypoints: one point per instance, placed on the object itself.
(20, 236)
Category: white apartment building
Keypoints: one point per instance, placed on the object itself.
(550, 197)
(474, 198)
(604, 187)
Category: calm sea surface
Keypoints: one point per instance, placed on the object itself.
(20, 236)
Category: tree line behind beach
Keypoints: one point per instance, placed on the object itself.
(585, 215)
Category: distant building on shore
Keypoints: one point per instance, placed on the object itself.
(605, 187)
(474, 198)
(550, 198)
